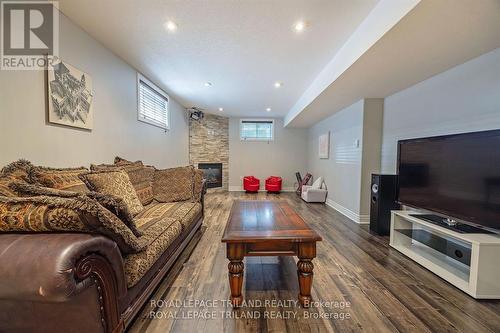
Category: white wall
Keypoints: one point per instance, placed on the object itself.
(282, 157)
(25, 134)
(342, 171)
(465, 98)
(371, 145)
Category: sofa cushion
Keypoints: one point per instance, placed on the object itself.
(175, 184)
(159, 234)
(140, 176)
(61, 179)
(111, 202)
(184, 212)
(121, 161)
(79, 214)
(318, 183)
(114, 182)
(198, 185)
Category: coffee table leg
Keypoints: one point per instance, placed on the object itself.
(306, 252)
(235, 268)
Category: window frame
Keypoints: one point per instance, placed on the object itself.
(257, 120)
(158, 90)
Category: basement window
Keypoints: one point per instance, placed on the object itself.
(257, 129)
(152, 104)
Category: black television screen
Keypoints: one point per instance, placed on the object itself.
(455, 175)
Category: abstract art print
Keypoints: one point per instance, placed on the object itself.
(70, 96)
(324, 145)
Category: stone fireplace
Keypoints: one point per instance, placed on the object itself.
(209, 149)
(213, 173)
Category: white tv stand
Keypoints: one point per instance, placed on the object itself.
(480, 280)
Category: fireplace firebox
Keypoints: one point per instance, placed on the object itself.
(212, 173)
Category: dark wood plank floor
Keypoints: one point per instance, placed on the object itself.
(387, 292)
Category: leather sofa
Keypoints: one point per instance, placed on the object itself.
(63, 281)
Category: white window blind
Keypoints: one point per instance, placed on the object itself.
(256, 130)
(153, 104)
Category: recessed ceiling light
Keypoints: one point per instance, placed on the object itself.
(170, 26)
(221, 109)
(278, 84)
(268, 109)
(299, 26)
(208, 84)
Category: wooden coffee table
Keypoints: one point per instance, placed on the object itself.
(268, 228)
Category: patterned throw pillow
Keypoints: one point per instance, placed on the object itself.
(140, 176)
(61, 179)
(121, 161)
(198, 185)
(175, 184)
(115, 182)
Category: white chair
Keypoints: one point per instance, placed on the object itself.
(316, 192)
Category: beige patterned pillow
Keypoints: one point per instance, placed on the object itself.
(140, 176)
(175, 184)
(198, 185)
(115, 182)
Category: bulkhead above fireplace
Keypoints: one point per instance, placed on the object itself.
(212, 173)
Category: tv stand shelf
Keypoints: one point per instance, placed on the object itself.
(468, 261)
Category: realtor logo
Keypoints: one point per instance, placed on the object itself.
(29, 34)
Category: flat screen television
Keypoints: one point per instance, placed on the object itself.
(455, 175)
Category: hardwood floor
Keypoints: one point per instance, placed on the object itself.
(387, 292)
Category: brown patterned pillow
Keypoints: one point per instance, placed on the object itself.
(53, 214)
(140, 176)
(198, 185)
(175, 184)
(122, 161)
(61, 179)
(115, 182)
(112, 203)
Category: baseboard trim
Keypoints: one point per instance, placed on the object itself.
(359, 219)
(240, 189)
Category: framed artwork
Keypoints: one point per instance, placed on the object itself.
(324, 145)
(70, 96)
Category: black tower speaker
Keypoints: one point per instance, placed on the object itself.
(383, 196)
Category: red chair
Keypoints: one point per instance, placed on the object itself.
(251, 184)
(273, 184)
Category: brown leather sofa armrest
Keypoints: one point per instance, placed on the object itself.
(54, 267)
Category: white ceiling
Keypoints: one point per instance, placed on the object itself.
(435, 36)
(241, 47)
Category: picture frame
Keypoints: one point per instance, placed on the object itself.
(70, 96)
(324, 146)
